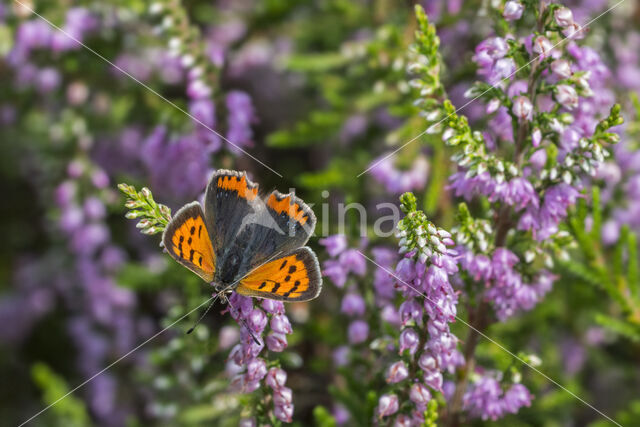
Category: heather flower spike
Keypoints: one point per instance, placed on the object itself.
(153, 216)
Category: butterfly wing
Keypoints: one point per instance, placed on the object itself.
(282, 224)
(187, 240)
(294, 277)
(229, 199)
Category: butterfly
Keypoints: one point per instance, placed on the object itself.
(241, 242)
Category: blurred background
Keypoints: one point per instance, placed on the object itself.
(317, 90)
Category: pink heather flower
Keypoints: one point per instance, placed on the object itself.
(542, 46)
(280, 323)
(512, 10)
(387, 405)
(420, 395)
(574, 31)
(564, 16)
(561, 68)
(256, 370)
(273, 307)
(410, 310)
(282, 396)
(567, 96)
(284, 412)
(257, 320)
(408, 340)
(276, 342)
(276, 378)
(358, 331)
(522, 108)
(397, 372)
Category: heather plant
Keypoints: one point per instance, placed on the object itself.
(507, 294)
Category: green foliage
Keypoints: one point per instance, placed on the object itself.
(613, 270)
(70, 410)
(323, 418)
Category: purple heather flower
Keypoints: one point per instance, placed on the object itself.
(410, 310)
(516, 397)
(353, 305)
(284, 412)
(203, 110)
(387, 405)
(408, 340)
(512, 10)
(334, 271)
(353, 262)
(280, 323)
(334, 244)
(358, 331)
(241, 116)
(276, 378)
(397, 372)
(398, 181)
(273, 307)
(420, 395)
(341, 355)
(276, 342)
(257, 320)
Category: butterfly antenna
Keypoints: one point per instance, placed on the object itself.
(203, 314)
(243, 321)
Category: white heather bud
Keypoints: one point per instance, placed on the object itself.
(188, 60)
(529, 256)
(422, 258)
(174, 44)
(493, 105)
(422, 241)
(448, 133)
(553, 173)
(566, 177)
(564, 16)
(534, 360)
(155, 8)
(431, 228)
(544, 174)
(513, 170)
(568, 161)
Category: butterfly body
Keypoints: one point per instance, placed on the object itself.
(245, 243)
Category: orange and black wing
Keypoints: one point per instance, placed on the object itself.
(187, 240)
(283, 223)
(230, 202)
(295, 277)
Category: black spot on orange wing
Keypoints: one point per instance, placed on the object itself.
(300, 284)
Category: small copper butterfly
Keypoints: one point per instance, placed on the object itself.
(245, 243)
